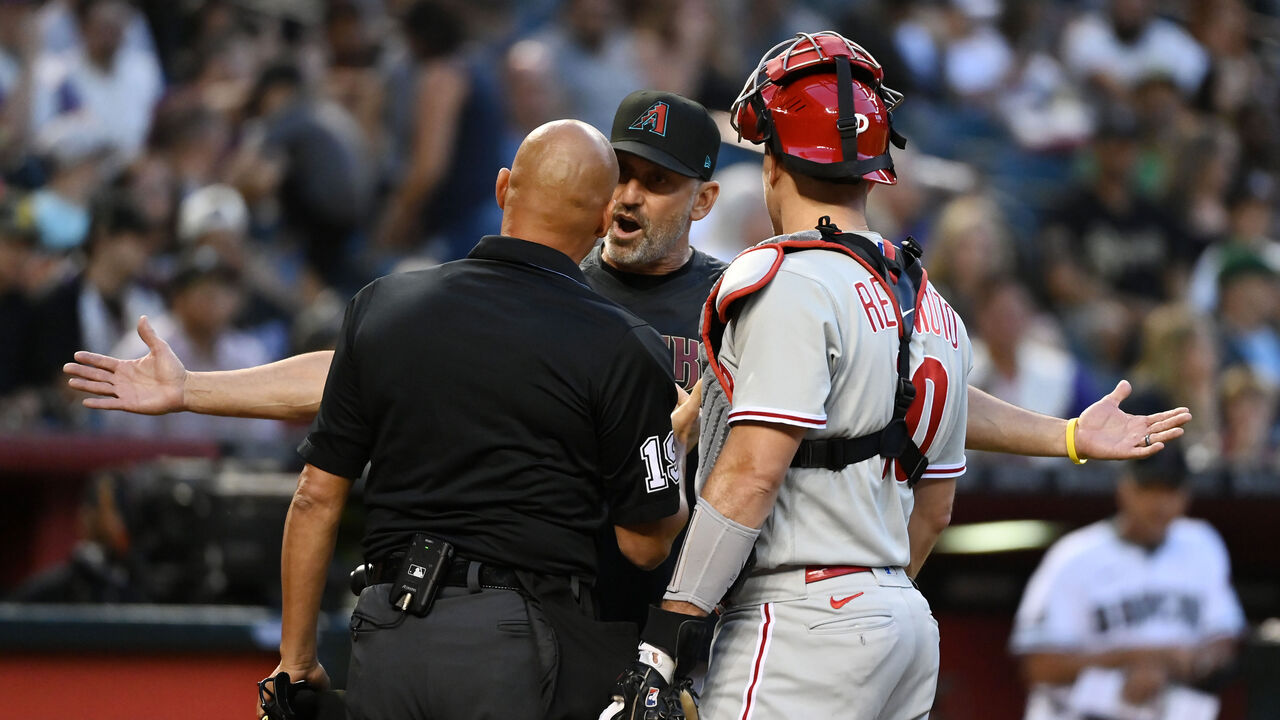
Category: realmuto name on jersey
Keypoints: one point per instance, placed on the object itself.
(933, 316)
(936, 316)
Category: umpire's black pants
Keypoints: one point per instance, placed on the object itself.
(480, 653)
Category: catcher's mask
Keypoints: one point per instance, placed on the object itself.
(820, 102)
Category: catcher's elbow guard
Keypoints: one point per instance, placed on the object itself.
(715, 549)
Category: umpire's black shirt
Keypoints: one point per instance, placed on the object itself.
(503, 406)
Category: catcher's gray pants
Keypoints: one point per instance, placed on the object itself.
(475, 655)
(855, 647)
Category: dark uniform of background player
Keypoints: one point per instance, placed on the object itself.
(664, 143)
(502, 406)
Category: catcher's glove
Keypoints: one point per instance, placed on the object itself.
(641, 693)
(653, 687)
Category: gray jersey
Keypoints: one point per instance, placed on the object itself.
(816, 348)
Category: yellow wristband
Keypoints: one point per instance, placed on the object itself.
(1071, 442)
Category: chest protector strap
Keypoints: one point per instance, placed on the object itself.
(903, 278)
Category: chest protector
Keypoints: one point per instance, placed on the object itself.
(903, 277)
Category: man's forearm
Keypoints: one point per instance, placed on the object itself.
(929, 517)
(310, 530)
(744, 484)
(289, 389)
(997, 426)
(1062, 668)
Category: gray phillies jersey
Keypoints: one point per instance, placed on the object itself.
(817, 348)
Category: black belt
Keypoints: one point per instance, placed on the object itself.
(495, 577)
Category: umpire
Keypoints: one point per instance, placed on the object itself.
(506, 411)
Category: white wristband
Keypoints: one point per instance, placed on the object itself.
(658, 660)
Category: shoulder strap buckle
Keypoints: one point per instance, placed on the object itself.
(904, 397)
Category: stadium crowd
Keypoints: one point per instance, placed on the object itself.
(1094, 181)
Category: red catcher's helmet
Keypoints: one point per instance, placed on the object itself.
(820, 102)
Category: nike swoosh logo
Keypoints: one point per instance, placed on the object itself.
(837, 604)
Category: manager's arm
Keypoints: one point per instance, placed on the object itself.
(158, 383)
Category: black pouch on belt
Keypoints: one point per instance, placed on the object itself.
(590, 653)
(423, 567)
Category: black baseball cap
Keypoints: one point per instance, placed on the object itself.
(672, 131)
(1167, 468)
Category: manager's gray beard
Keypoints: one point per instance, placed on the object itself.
(653, 246)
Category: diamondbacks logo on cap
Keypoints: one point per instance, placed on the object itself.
(654, 119)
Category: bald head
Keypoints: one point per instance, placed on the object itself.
(558, 189)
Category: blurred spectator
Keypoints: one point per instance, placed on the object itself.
(151, 180)
(1257, 130)
(353, 78)
(968, 246)
(310, 155)
(761, 24)
(192, 142)
(1236, 74)
(532, 92)
(18, 47)
(1014, 362)
(61, 29)
(94, 308)
(595, 59)
(673, 39)
(914, 43)
(1037, 100)
(892, 19)
(1169, 129)
(1104, 237)
(205, 295)
(1249, 446)
(1178, 367)
(61, 208)
(102, 86)
(17, 240)
(977, 59)
(1251, 209)
(217, 218)
(1248, 307)
(1115, 601)
(101, 568)
(739, 219)
(448, 128)
(1197, 200)
(1115, 50)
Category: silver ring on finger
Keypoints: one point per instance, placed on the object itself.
(1147, 440)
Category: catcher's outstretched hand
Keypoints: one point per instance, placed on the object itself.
(150, 385)
(1105, 432)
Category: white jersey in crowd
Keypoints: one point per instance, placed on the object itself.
(1095, 591)
(816, 348)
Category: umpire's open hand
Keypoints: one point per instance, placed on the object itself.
(150, 385)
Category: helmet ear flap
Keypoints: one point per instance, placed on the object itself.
(753, 120)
